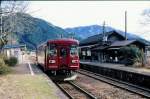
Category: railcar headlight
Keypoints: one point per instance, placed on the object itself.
(52, 61)
(74, 61)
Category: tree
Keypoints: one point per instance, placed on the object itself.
(8, 11)
(146, 15)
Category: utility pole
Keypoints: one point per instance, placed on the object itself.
(104, 35)
(61, 35)
(125, 25)
(104, 29)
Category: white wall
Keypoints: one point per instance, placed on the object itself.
(15, 52)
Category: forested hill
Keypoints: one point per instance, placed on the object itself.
(33, 31)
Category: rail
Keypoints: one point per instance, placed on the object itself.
(83, 93)
(124, 85)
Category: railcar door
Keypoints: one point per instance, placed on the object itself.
(63, 57)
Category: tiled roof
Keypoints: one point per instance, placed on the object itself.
(13, 46)
(122, 43)
(116, 44)
(99, 48)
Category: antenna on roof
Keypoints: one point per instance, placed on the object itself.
(61, 35)
(125, 25)
(104, 29)
(73, 36)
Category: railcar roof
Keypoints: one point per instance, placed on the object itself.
(64, 41)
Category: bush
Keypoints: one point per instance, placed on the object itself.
(4, 57)
(3, 67)
(12, 61)
(131, 55)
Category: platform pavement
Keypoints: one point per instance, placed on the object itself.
(34, 70)
(122, 67)
(22, 84)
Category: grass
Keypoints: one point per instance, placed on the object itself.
(25, 86)
(19, 84)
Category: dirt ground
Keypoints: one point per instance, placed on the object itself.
(20, 84)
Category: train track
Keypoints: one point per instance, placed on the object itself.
(73, 91)
(123, 85)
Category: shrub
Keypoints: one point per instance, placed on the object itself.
(4, 57)
(12, 61)
(132, 55)
(3, 67)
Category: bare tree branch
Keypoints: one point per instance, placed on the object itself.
(9, 20)
(146, 15)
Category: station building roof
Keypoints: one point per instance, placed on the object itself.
(9, 46)
(117, 44)
(122, 43)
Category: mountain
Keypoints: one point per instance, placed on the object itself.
(33, 31)
(86, 31)
(131, 36)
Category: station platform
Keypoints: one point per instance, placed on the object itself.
(27, 81)
(143, 71)
(134, 75)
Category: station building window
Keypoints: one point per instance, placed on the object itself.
(83, 53)
(88, 53)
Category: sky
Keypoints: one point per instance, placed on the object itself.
(82, 13)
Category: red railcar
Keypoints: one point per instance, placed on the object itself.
(58, 55)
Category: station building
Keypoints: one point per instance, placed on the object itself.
(15, 50)
(105, 47)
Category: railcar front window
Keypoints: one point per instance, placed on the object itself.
(63, 52)
(52, 50)
(73, 50)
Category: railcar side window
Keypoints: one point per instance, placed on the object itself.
(52, 50)
(73, 50)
